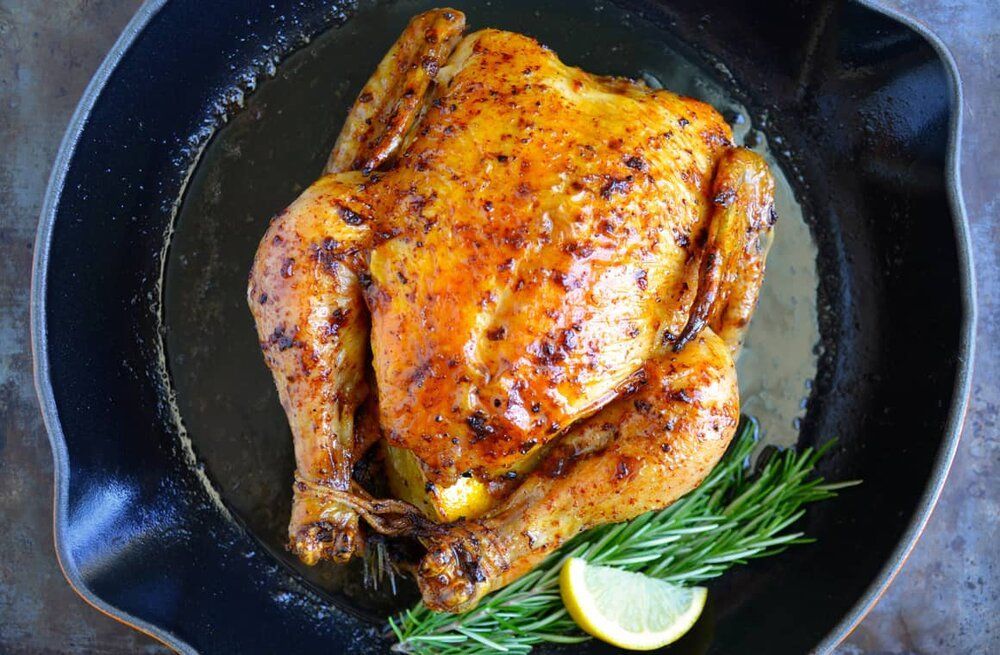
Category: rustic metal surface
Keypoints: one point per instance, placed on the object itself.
(945, 600)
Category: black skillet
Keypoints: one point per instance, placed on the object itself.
(866, 104)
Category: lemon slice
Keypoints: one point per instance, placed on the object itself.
(628, 610)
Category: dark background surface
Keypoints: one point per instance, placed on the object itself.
(946, 599)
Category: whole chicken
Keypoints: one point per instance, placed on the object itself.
(525, 285)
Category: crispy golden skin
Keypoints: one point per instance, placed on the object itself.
(553, 271)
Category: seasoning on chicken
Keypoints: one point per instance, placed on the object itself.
(527, 284)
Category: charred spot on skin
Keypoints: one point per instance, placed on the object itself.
(626, 467)
(535, 408)
(262, 299)
(683, 122)
(282, 339)
(772, 216)
(424, 161)
(382, 236)
(430, 65)
(725, 197)
(325, 255)
(681, 395)
(350, 217)
(642, 406)
(548, 354)
(637, 163)
(420, 374)
(641, 279)
(516, 240)
(616, 185)
(337, 320)
(578, 250)
(287, 267)
(324, 532)
(480, 427)
(496, 334)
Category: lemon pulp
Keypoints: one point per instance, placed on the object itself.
(628, 610)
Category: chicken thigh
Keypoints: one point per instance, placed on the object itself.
(527, 285)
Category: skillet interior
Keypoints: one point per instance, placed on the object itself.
(862, 106)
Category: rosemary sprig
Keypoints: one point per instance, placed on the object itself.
(737, 514)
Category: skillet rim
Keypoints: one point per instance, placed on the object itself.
(966, 353)
(43, 385)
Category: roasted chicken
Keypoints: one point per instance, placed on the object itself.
(525, 285)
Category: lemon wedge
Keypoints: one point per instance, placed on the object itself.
(628, 610)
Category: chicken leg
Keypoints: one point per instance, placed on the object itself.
(642, 452)
(313, 327)
(306, 297)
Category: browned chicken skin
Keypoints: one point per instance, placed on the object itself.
(552, 271)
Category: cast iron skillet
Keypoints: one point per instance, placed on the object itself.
(867, 106)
